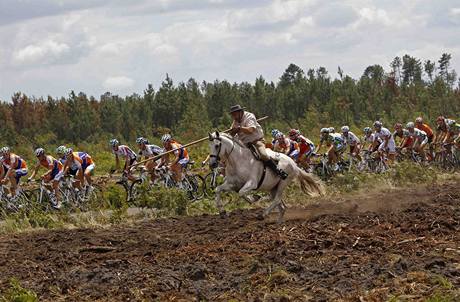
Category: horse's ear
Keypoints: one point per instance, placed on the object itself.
(210, 137)
(217, 134)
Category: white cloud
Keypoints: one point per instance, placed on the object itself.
(375, 15)
(118, 83)
(42, 53)
(105, 45)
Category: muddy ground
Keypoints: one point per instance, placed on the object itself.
(368, 247)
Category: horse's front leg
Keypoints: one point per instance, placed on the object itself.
(225, 187)
(246, 189)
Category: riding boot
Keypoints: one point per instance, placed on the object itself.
(274, 167)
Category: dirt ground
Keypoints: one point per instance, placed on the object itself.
(370, 247)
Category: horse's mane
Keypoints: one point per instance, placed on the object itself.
(234, 139)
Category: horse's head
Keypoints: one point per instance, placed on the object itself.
(218, 148)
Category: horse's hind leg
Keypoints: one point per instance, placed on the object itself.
(276, 195)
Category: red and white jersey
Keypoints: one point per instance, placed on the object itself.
(124, 152)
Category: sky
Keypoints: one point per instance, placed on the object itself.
(51, 47)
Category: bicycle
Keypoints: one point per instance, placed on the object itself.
(212, 180)
(12, 204)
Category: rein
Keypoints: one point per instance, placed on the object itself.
(217, 155)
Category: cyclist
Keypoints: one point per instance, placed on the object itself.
(127, 154)
(306, 146)
(353, 141)
(181, 158)
(453, 132)
(14, 168)
(53, 175)
(284, 145)
(387, 144)
(335, 143)
(420, 139)
(406, 141)
(419, 124)
(442, 132)
(147, 151)
(60, 151)
(80, 165)
(369, 138)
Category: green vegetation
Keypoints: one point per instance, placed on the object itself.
(16, 293)
(304, 99)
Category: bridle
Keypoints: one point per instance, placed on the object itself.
(219, 149)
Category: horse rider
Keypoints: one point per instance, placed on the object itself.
(249, 131)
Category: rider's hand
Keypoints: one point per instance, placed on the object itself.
(235, 130)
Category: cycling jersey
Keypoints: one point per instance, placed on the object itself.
(351, 139)
(151, 150)
(418, 134)
(14, 162)
(124, 152)
(53, 165)
(306, 146)
(180, 153)
(383, 134)
(336, 140)
(426, 129)
(288, 147)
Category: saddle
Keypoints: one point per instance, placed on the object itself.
(253, 151)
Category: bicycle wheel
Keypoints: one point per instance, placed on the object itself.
(191, 185)
(211, 181)
(135, 190)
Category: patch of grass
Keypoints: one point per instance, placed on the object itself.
(16, 293)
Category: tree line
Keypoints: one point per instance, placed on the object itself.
(305, 99)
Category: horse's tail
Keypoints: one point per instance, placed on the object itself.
(309, 184)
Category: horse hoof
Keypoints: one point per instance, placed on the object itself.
(223, 214)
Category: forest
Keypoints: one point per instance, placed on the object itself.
(305, 99)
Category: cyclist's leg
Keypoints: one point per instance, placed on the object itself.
(88, 172)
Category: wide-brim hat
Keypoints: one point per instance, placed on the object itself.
(236, 108)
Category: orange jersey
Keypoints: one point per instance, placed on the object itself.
(51, 163)
(181, 152)
(14, 162)
(426, 128)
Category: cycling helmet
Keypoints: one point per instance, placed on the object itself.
(406, 132)
(345, 129)
(166, 138)
(377, 124)
(331, 130)
(450, 123)
(39, 151)
(68, 151)
(140, 140)
(278, 135)
(419, 120)
(398, 126)
(275, 132)
(367, 130)
(61, 149)
(410, 125)
(294, 133)
(114, 142)
(5, 150)
(324, 130)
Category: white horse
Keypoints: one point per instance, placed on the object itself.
(244, 173)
